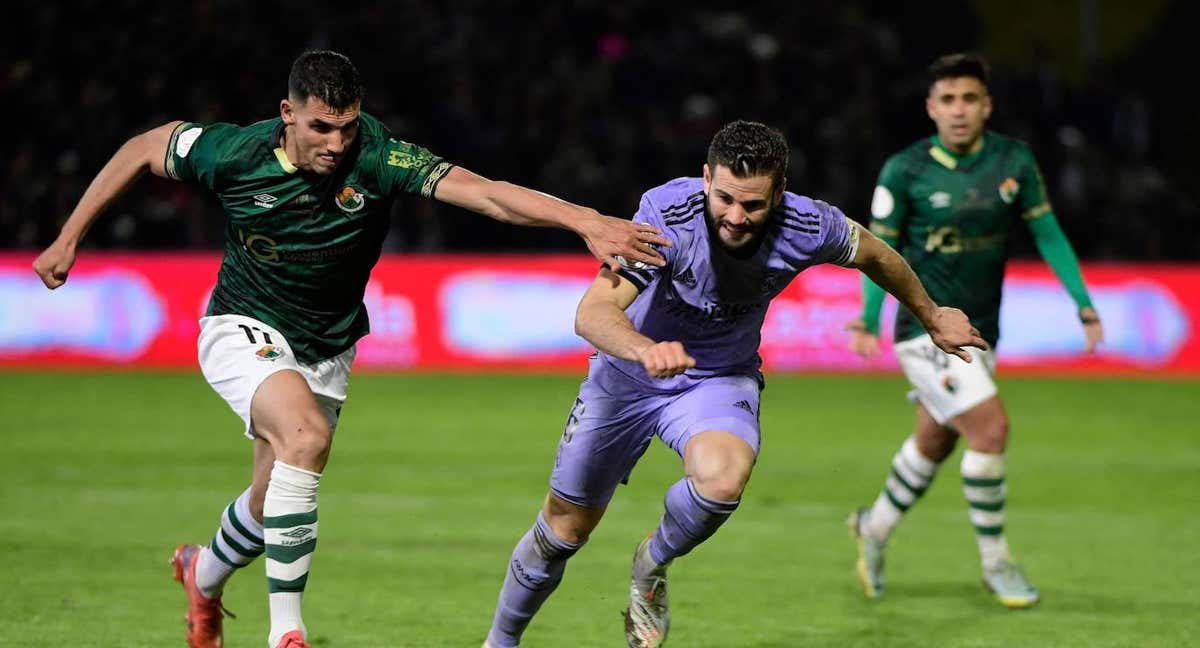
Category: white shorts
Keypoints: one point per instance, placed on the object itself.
(945, 384)
(238, 353)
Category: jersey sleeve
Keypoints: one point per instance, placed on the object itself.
(198, 153)
(408, 168)
(889, 204)
(839, 237)
(641, 275)
(1031, 189)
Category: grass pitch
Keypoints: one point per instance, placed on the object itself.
(434, 478)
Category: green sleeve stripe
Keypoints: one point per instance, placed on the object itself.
(989, 530)
(1037, 211)
(991, 507)
(1054, 247)
(290, 520)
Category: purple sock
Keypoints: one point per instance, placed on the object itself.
(536, 568)
(690, 519)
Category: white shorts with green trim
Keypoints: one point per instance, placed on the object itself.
(237, 353)
(946, 384)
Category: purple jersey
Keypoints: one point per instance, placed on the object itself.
(711, 302)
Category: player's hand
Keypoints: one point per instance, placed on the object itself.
(613, 239)
(951, 331)
(53, 264)
(1093, 330)
(666, 359)
(862, 341)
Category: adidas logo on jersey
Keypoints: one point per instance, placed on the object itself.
(744, 405)
(686, 278)
(265, 200)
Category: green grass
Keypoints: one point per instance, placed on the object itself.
(433, 478)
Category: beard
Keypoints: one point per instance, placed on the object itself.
(742, 250)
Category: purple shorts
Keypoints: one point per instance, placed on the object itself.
(613, 420)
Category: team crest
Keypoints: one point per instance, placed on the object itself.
(350, 199)
(269, 352)
(1008, 190)
(950, 384)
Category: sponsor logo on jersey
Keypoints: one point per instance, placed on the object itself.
(269, 352)
(183, 145)
(1009, 189)
(882, 203)
(744, 405)
(409, 158)
(265, 200)
(350, 199)
(939, 200)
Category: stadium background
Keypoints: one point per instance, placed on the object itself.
(596, 102)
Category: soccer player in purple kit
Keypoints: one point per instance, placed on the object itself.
(678, 359)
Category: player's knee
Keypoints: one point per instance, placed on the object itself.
(570, 522)
(306, 442)
(723, 479)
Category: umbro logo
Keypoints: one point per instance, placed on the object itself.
(686, 278)
(744, 405)
(265, 200)
(298, 535)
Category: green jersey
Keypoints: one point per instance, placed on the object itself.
(299, 247)
(950, 217)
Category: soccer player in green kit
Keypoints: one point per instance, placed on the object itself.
(308, 197)
(949, 203)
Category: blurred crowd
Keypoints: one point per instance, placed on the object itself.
(592, 101)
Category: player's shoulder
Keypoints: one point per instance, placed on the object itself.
(804, 214)
(230, 145)
(1009, 146)
(676, 203)
(372, 131)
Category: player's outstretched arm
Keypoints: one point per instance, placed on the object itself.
(948, 327)
(145, 152)
(601, 320)
(608, 238)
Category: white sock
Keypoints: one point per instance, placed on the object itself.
(910, 477)
(290, 531)
(237, 542)
(984, 487)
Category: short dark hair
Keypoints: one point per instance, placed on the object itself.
(961, 64)
(750, 149)
(326, 75)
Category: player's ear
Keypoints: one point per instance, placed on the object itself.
(286, 113)
(929, 107)
(707, 178)
(987, 106)
(779, 191)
